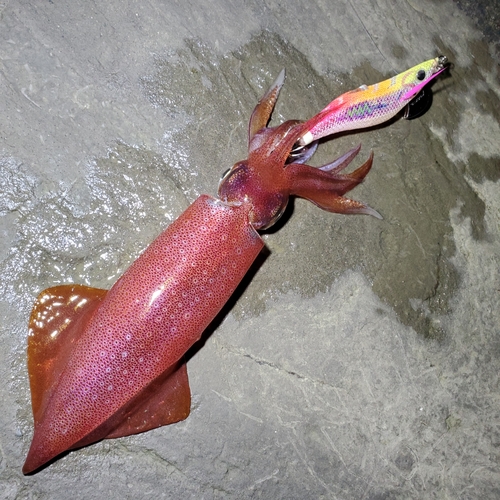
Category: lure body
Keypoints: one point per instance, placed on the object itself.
(369, 106)
(105, 364)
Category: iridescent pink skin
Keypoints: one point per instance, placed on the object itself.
(105, 364)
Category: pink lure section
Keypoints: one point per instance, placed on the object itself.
(107, 375)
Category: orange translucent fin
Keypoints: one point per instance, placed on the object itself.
(165, 401)
(57, 320)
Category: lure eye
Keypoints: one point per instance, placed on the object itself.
(420, 74)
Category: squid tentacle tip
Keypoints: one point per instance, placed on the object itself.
(372, 211)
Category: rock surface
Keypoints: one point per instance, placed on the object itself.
(361, 358)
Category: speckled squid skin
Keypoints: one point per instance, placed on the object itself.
(146, 322)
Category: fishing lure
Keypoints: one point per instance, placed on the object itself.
(106, 364)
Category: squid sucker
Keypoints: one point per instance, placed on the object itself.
(106, 364)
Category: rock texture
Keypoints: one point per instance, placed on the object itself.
(361, 358)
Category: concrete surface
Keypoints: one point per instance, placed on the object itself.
(360, 360)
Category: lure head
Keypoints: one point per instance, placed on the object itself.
(414, 79)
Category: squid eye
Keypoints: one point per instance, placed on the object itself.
(420, 74)
(223, 176)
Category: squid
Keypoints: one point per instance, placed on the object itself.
(109, 363)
